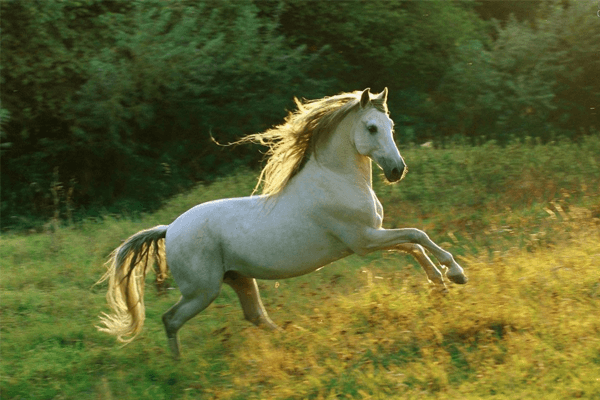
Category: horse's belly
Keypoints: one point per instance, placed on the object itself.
(281, 256)
(281, 248)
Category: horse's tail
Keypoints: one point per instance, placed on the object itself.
(127, 268)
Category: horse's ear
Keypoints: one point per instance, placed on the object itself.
(382, 95)
(365, 98)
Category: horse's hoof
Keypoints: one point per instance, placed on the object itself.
(265, 322)
(443, 290)
(174, 347)
(460, 279)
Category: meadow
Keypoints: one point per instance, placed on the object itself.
(523, 220)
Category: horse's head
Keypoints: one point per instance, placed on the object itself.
(373, 135)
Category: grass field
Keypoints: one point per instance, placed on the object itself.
(524, 222)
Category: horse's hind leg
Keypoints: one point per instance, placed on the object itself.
(183, 311)
(247, 291)
(417, 251)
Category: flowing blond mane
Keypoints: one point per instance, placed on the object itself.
(292, 142)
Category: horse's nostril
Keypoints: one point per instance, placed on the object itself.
(396, 174)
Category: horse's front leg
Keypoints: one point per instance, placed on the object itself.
(388, 239)
(433, 274)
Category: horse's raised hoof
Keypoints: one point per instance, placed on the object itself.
(460, 279)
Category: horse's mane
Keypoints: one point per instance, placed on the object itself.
(292, 142)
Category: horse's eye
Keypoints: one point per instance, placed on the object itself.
(372, 129)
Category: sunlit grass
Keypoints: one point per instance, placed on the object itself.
(525, 326)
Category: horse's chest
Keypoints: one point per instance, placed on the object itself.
(378, 217)
(372, 210)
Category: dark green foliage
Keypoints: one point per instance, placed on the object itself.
(110, 105)
(405, 46)
(503, 10)
(121, 98)
(536, 82)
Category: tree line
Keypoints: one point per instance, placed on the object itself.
(111, 105)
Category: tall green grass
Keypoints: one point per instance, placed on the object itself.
(523, 220)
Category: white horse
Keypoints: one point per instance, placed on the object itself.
(318, 206)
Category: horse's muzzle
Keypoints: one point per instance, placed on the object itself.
(397, 173)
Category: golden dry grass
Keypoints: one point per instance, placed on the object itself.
(526, 326)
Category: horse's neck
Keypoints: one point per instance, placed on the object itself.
(339, 155)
